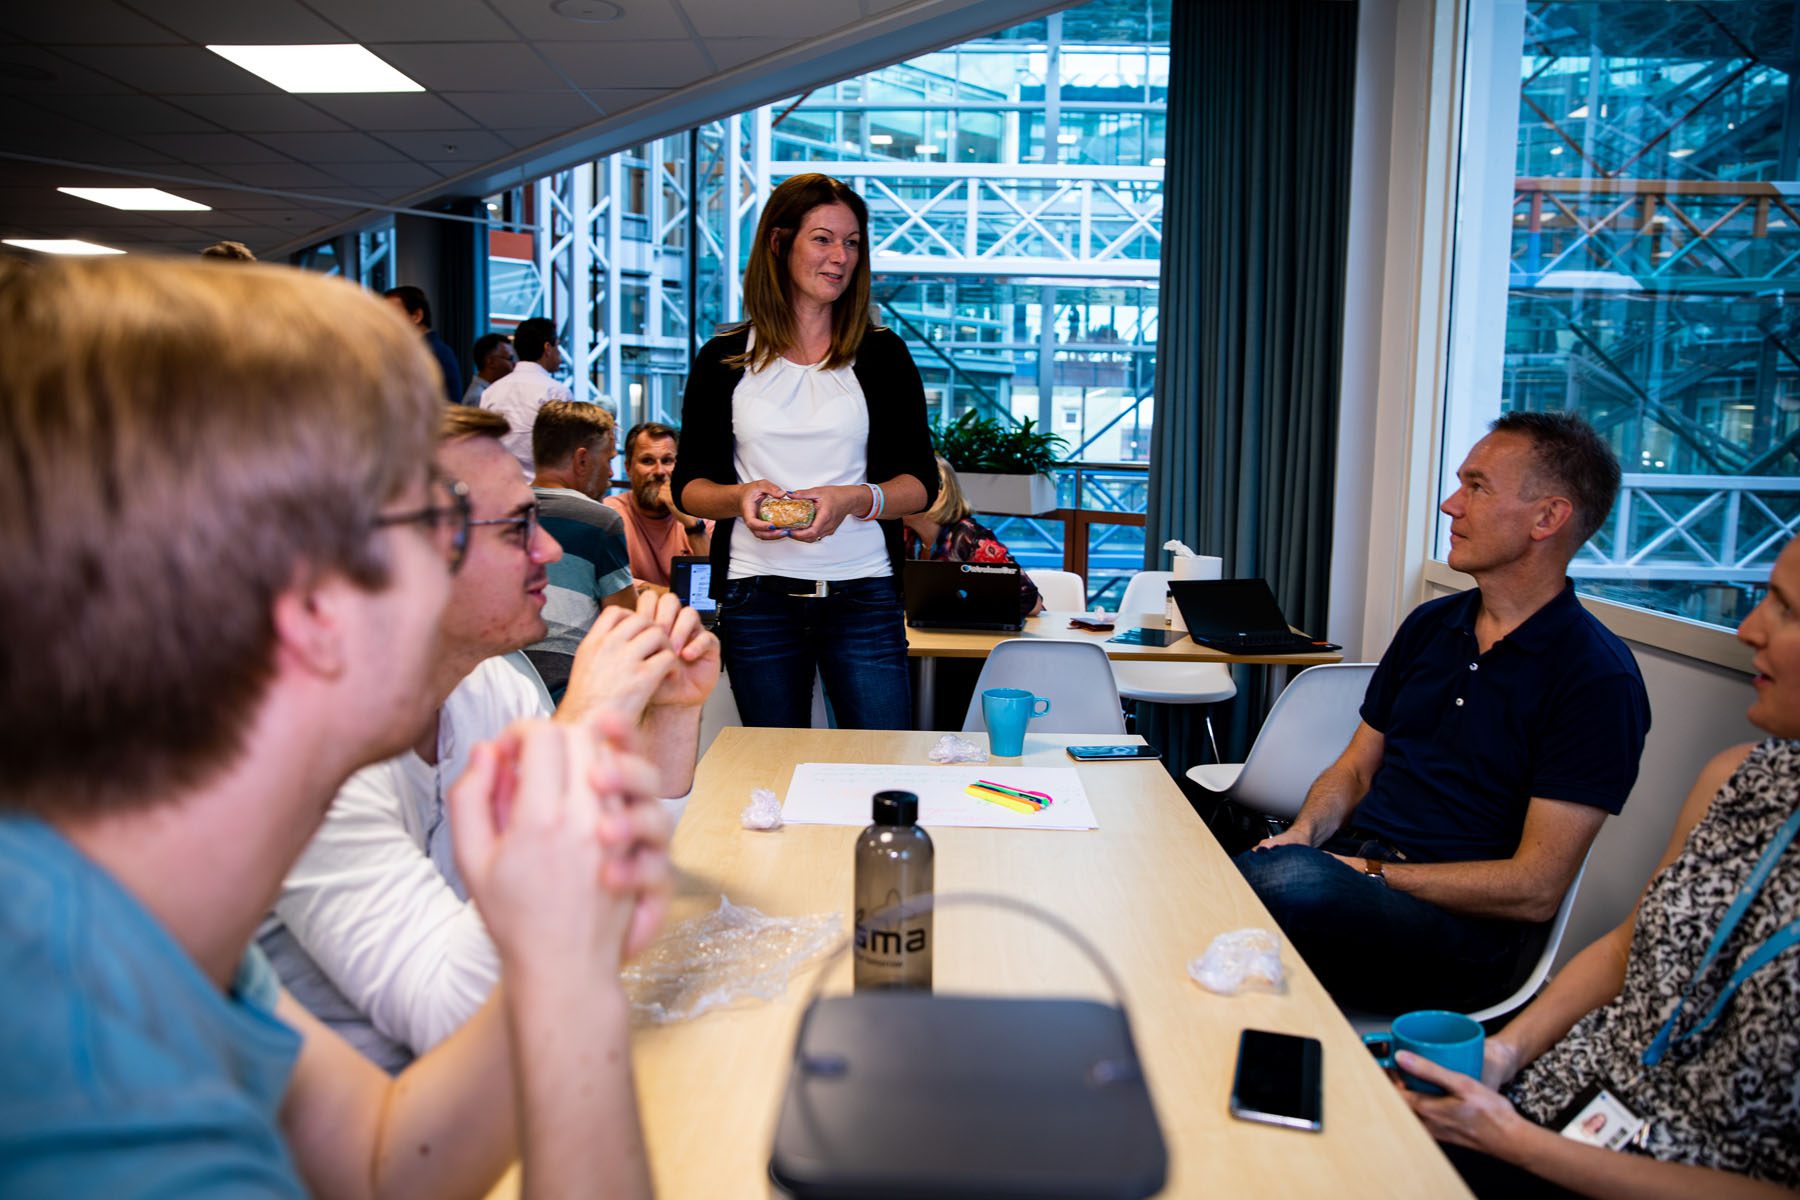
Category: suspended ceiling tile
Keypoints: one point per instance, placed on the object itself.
(663, 64)
(55, 137)
(127, 114)
(521, 110)
(381, 113)
(389, 175)
(617, 100)
(390, 21)
(210, 148)
(302, 176)
(462, 67)
(464, 147)
(279, 113)
(168, 69)
(88, 22)
(360, 195)
(735, 51)
(537, 19)
(521, 138)
(348, 146)
(245, 22)
(793, 21)
(34, 71)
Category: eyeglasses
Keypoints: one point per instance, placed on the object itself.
(451, 518)
(523, 528)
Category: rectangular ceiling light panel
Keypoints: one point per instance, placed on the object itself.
(136, 199)
(318, 69)
(59, 246)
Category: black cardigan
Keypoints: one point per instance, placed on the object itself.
(899, 438)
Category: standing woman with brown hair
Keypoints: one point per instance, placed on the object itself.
(809, 400)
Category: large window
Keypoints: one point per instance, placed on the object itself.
(1627, 246)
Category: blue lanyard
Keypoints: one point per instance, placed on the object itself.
(1781, 940)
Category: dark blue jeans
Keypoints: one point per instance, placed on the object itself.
(1377, 949)
(854, 637)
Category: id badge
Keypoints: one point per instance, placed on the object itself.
(1598, 1117)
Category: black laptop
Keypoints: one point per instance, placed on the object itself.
(959, 595)
(690, 578)
(1238, 616)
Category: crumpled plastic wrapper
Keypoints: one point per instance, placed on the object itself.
(731, 954)
(953, 749)
(1245, 960)
(763, 811)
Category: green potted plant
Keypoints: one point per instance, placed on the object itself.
(1003, 468)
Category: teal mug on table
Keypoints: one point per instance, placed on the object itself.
(1007, 711)
(1448, 1039)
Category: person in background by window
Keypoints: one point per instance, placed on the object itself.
(1685, 1012)
(494, 360)
(949, 532)
(809, 400)
(411, 301)
(528, 386)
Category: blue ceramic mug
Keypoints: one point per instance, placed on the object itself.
(1007, 711)
(1446, 1038)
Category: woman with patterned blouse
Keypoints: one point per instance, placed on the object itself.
(949, 532)
(1687, 1014)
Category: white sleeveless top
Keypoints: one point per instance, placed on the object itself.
(803, 427)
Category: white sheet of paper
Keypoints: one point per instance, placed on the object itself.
(839, 794)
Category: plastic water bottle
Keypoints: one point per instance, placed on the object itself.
(893, 866)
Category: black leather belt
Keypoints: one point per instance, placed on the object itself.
(806, 589)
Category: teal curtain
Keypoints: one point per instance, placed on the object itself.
(1255, 197)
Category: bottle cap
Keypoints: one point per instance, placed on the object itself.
(896, 808)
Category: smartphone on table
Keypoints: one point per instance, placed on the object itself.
(1112, 753)
(1278, 1080)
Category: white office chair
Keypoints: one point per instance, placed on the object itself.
(1522, 995)
(1167, 683)
(1063, 591)
(1074, 675)
(1541, 970)
(1305, 731)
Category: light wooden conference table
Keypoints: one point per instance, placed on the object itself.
(929, 645)
(1150, 887)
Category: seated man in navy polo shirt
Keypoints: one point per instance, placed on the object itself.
(1502, 726)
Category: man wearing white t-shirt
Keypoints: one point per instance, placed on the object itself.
(373, 930)
(529, 386)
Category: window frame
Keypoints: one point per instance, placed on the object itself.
(1429, 71)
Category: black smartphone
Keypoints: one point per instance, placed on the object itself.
(1278, 1079)
(1148, 637)
(1112, 753)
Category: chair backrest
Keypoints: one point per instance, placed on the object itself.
(1306, 730)
(1146, 593)
(1063, 591)
(1074, 675)
(1535, 980)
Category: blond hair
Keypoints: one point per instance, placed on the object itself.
(173, 468)
(465, 420)
(951, 506)
(767, 301)
(565, 426)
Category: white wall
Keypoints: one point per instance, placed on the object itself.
(1696, 710)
